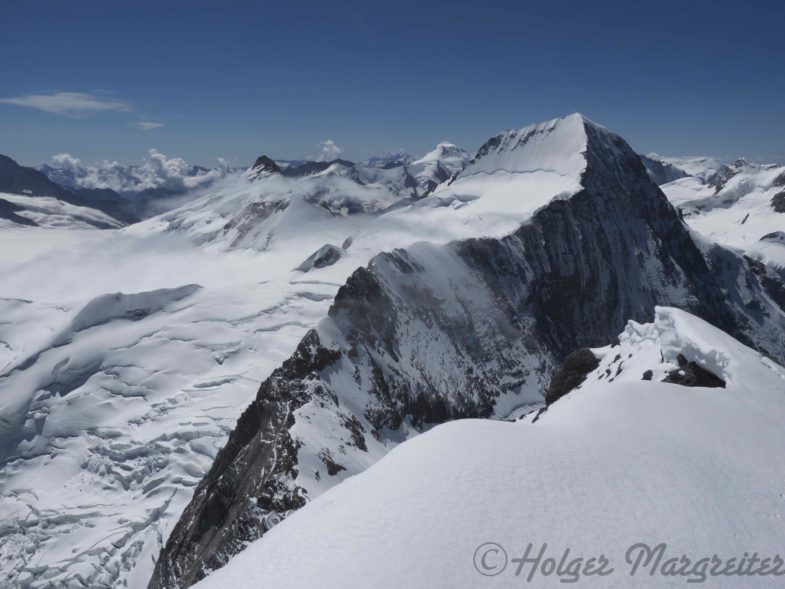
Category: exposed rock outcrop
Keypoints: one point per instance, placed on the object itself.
(327, 255)
(690, 374)
(570, 374)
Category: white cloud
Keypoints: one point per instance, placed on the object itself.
(147, 125)
(69, 103)
(66, 161)
(155, 171)
(330, 151)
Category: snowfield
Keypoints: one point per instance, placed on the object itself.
(610, 465)
(739, 211)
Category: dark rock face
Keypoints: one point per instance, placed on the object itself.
(237, 507)
(265, 164)
(661, 172)
(690, 374)
(570, 374)
(778, 202)
(18, 179)
(326, 255)
(439, 332)
(775, 236)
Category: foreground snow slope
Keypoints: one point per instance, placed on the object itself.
(606, 467)
(126, 356)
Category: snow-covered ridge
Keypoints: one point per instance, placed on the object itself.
(699, 459)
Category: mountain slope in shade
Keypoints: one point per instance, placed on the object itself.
(21, 210)
(698, 459)
(20, 180)
(660, 171)
(469, 329)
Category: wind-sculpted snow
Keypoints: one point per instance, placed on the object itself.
(616, 462)
(655, 348)
(472, 328)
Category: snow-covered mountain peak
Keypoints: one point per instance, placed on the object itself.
(519, 171)
(392, 158)
(438, 165)
(263, 166)
(443, 150)
(557, 146)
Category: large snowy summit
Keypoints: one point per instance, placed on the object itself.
(554, 146)
(518, 171)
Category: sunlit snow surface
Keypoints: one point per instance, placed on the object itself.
(739, 214)
(127, 355)
(616, 462)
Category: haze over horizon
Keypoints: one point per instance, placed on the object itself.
(109, 81)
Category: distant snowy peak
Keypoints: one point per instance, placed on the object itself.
(263, 166)
(728, 171)
(437, 166)
(449, 155)
(391, 159)
(702, 167)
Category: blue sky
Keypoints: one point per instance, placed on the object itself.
(235, 79)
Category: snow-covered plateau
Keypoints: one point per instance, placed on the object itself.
(373, 302)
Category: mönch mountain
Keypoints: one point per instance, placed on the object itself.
(474, 327)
